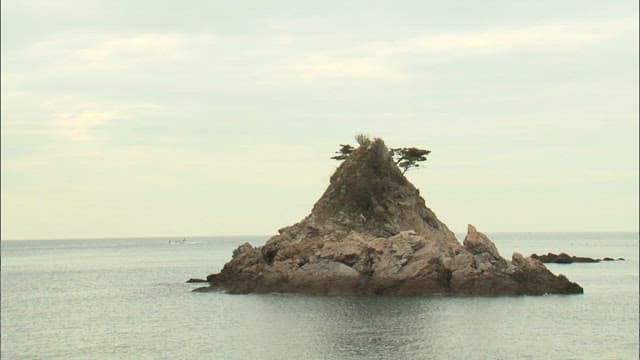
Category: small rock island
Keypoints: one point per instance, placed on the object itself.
(371, 233)
(564, 258)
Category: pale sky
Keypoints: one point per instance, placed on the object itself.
(126, 118)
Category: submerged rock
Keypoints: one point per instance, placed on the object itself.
(371, 233)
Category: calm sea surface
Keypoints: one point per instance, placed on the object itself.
(127, 299)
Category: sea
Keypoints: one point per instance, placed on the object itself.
(128, 299)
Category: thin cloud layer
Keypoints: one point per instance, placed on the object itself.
(374, 59)
(318, 66)
(82, 125)
(138, 45)
(553, 36)
(125, 51)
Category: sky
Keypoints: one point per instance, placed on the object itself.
(203, 118)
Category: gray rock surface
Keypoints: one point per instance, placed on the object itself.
(371, 233)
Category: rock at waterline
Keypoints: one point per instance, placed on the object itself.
(564, 258)
(196, 280)
(371, 233)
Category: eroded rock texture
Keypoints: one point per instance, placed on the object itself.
(371, 233)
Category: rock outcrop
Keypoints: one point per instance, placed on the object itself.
(564, 258)
(371, 233)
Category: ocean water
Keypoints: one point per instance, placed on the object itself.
(127, 299)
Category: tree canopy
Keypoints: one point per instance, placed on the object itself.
(363, 139)
(344, 152)
(406, 157)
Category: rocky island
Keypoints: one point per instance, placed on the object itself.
(371, 233)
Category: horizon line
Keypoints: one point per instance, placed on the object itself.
(142, 237)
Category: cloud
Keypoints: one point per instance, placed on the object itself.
(320, 66)
(136, 45)
(550, 36)
(60, 60)
(380, 59)
(139, 49)
(70, 53)
(80, 125)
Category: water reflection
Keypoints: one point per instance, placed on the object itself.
(352, 326)
(358, 327)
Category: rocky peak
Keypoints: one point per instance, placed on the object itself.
(368, 193)
(478, 243)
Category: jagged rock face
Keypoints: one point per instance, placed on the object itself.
(369, 194)
(371, 233)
